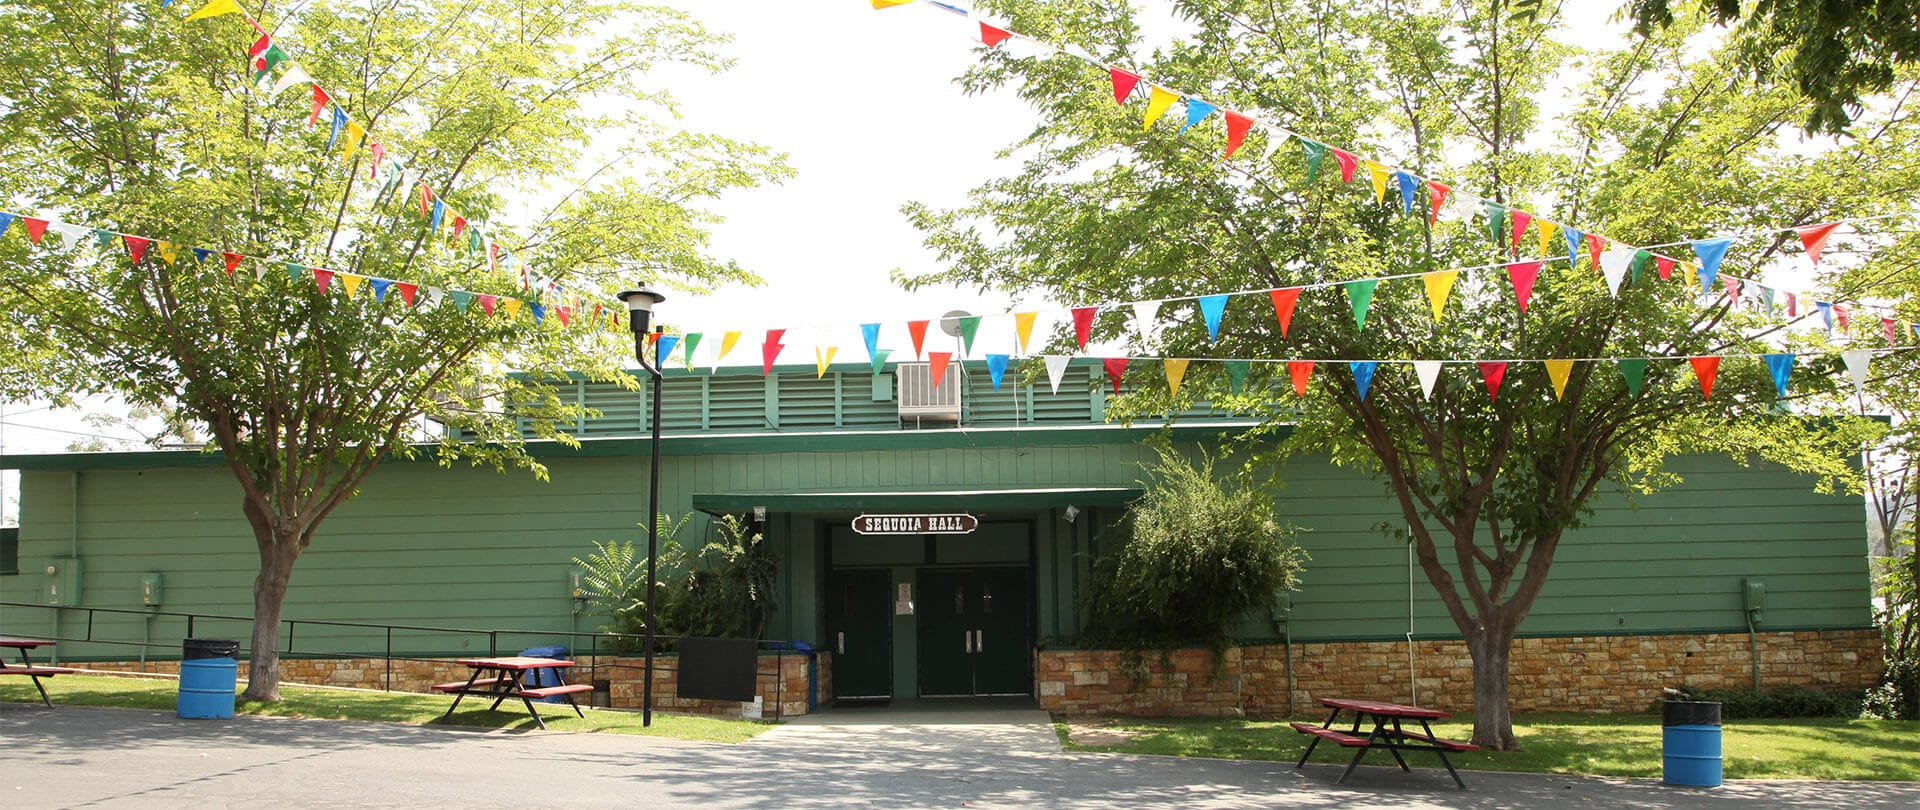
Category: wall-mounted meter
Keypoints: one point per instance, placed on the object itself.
(63, 581)
(1753, 596)
(150, 589)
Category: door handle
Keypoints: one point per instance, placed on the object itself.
(979, 641)
(967, 636)
(841, 648)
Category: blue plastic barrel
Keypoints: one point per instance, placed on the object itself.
(1690, 743)
(537, 678)
(208, 672)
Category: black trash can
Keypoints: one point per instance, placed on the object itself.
(209, 669)
(537, 678)
(1690, 743)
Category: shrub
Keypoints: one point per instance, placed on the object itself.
(1785, 702)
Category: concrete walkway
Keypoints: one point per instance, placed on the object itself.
(913, 756)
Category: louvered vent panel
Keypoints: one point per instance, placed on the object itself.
(737, 402)
(807, 402)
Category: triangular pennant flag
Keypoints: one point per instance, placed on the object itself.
(1520, 221)
(1408, 186)
(355, 134)
(889, 3)
(511, 306)
(1158, 101)
(294, 271)
(1613, 266)
(822, 359)
(1436, 197)
(1493, 371)
(339, 124)
(1595, 242)
(918, 331)
(1429, 372)
(727, 341)
(379, 286)
(169, 252)
(1574, 237)
(263, 56)
(937, 363)
(1360, 294)
(1237, 375)
(1523, 275)
(294, 74)
(1348, 162)
(1315, 153)
(408, 292)
(1710, 252)
(1116, 368)
(201, 255)
(1283, 303)
(564, 313)
(461, 300)
(691, 341)
(1781, 366)
(1378, 174)
(1197, 111)
(1857, 360)
(1176, 368)
(769, 351)
(323, 278)
(1083, 324)
(36, 228)
(1814, 239)
(439, 215)
(870, 332)
(1300, 371)
(1212, 308)
(663, 349)
(1639, 263)
(1705, 369)
(6, 221)
(1547, 230)
(1056, 369)
(136, 246)
(879, 360)
(233, 261)
(1237, 126)
(215, 9)
(1496, 222)
(992, 36)
(352, 284)
(540, 314)
(1123, 83)
(1893, 332)
(1634, 369)
(1023, 328)
(969, 326)
(1145, 321)
(1363, 375)
(1733, 288)
(1439, 285)
(1826, 313)
(1275, 138)
(1559, 371)
(996, 368)
(1663, 266)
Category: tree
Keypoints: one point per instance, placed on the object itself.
(122, 117)
(1488, 473)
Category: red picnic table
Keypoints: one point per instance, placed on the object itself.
(1387, 733)
(27, 667)
(502, 678)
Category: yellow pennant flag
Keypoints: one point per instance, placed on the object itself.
(169, 253)
(1439, 286)
(1693, 273)
(351, 283)
(1379, 175)
(890, 3)
(1157, 103)
(1558, 371)
(512, 306)
(1548, 231)
(822, 360)
(215, 9)
(1023, 326)
(355, 134)
(726, 344)
(1176, 371)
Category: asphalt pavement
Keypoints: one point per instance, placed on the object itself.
(908, 757)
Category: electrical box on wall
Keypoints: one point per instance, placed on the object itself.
(150, 590)
(1753, 595)
(63, 581)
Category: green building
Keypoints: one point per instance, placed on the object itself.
(945, 605)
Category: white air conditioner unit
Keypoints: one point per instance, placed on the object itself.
(921, 400)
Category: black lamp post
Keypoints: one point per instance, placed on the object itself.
(640, 303)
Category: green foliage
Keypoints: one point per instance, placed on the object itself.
(615, 581)
(1784, 702)
(1199, 555)
(728, 589)
(1897, 613)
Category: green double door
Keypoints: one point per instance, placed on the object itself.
(973, 632)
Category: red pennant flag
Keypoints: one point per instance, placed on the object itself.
(1664, 266)
(233, 261)
(1237, 127)
(1840, 314)
(136, 246)
(1300, 371)
(1793, 305)
(459, 225)
(1123, 84)
(1436, 197)
(407, 291)
(769, 351)
(375, 153)
(320, 100)
(36, 228)
(493, 257)
(1705, 368)
(1893, 332)
(1283, 301)
(486, 304)
(918, 329)
(1493, 372)
(939, 361)
(426, 199)
(1521, 220)
(1594, 245)
(991, 36)
(1523, 275)
(565, 313)
(1116, 366)
(322, 277)
(1814, 239)
(1348, 162)
(1083, 324)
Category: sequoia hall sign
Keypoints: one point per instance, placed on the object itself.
(915, 524)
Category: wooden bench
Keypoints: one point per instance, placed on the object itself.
(1329, 735)
(1450, 745)
(37, 672)
(550, 691)
(477, 686)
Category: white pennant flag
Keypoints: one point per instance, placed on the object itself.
(72, 233)
(1275, 137)
(1144, 314)
(1056, 369)
(294, 74)
(1857, 367)
(1613, 265)
(1460, 206)
(435, 297)
(1429, 371)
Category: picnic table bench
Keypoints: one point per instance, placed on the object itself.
(1386, 733)
(502, 678)
(27, 668)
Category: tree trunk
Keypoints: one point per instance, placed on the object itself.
(1491, 647)
(279, 545)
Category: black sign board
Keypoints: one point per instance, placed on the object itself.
(915, 524)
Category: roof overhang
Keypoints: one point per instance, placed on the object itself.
(955, 500)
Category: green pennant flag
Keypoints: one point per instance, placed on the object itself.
(296, 271)
(474, 242)
(691, 340)
(1635, 370)
(1315, 152)
(880, 360)
(105, 238)
(1496, 221)
(1237, 375)
(969, 326)
(1640, 259)
(461, 300)
(1361, 294)
(265, 62)
(1766, 298)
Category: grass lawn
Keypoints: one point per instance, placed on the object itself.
(384, 707)
(1593, 744)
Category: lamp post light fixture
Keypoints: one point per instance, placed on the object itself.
(640, 302)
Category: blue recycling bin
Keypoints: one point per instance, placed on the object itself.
(209, 669)
(537, 678)
(1690, 743)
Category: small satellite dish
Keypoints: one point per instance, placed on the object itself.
(950, 322)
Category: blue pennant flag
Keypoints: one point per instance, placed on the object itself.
(201, 254)
(339, 123)
(539, 312)
(6, 221)
(997, 368)
(1407, 188)
(379, 286)
(1710, 251)
(1574, 238)
(1211, 308)
(663, 349)
(440, 213)
(1782, 367)
(871, 331)
(1197, 111)
(1826, 313)
(1363, 376)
